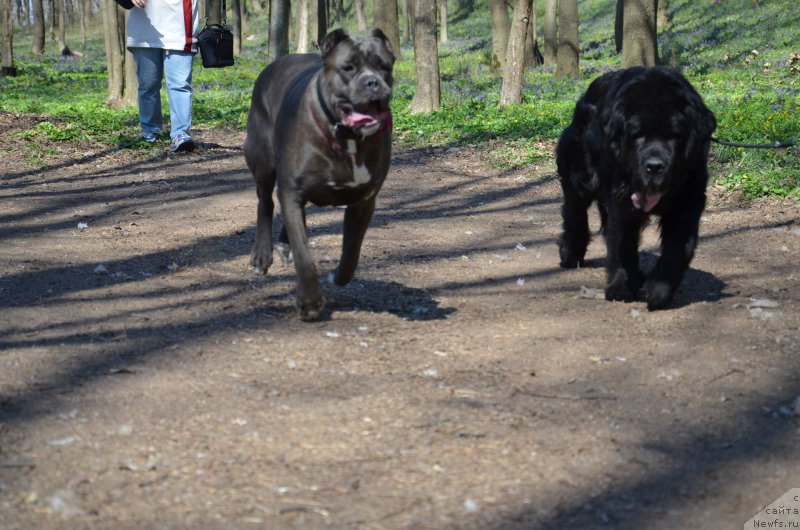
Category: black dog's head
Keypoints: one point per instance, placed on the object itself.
(656, 125)
(357, 77)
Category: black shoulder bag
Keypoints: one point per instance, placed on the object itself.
(216, 42)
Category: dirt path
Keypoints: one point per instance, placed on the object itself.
(148, 379)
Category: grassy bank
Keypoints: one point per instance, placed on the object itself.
(739, 57)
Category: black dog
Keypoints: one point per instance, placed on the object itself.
(320, 127)
(638, 145)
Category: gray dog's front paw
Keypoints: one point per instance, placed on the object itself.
(261, 259)
(310, 310)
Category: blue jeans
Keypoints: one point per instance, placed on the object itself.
(153, 64)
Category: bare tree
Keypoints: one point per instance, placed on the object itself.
(514, 71)
(215, 14)
(7, 48)
(114, 52)
(568, 45)
(236, 26)
(321, 20)
(361, 18)
(501, 26)
(302, 26)
(60, 15)
(408, 20)
(639, 46)
(130, 92)
(442, 20)
(386, 20)
(278, 29)
(86, 10)
(533, 55)
(426, 58)
(550, 31)
(662, 19)
(38, 27)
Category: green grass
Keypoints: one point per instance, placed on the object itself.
(737, 56)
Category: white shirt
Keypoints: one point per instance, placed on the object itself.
(166, 24)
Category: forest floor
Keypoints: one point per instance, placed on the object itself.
(150, 379)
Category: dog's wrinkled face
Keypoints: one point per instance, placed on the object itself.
(357, 76)
(654, 129)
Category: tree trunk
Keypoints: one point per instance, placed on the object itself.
(662, 20)
(639, 45)
(50, 9)
(514, 71)
(302, 26)
(130, 93)
(278, 29)
(322, 21)
(619, 12)
(244, 15)
(38, 27)
(361, 18)
(7, 48)
(533, 56)
(568, 46)
(501, 27)
(408, 20)
(442, 20)
(61, 22)
(426, 58)
(86, 9)
(385, 18)
(550, 31)
(215, 14)
(114, 58)
(236, 26)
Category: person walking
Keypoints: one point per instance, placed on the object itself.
(162, 37)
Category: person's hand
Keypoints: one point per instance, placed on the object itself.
(141, 4)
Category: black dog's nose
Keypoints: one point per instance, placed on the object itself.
(654, 166)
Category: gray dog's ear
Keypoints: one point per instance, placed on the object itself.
(378, 34)
(331, 40)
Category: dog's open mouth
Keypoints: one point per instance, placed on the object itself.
(366, 121)
(645, 201)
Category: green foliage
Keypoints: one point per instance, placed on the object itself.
(739, 57)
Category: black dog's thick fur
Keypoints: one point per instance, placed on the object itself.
(638, 145)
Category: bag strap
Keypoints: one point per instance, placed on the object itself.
(223, 19)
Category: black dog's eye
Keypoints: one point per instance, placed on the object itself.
(349, 69)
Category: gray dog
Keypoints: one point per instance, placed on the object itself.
(321, 127)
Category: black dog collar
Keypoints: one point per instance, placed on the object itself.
(335, 123)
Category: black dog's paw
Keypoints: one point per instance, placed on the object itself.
(619, 288)
(569, 260)
(658, 294)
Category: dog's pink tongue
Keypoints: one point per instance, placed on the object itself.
(645, 202)
(357, 120)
